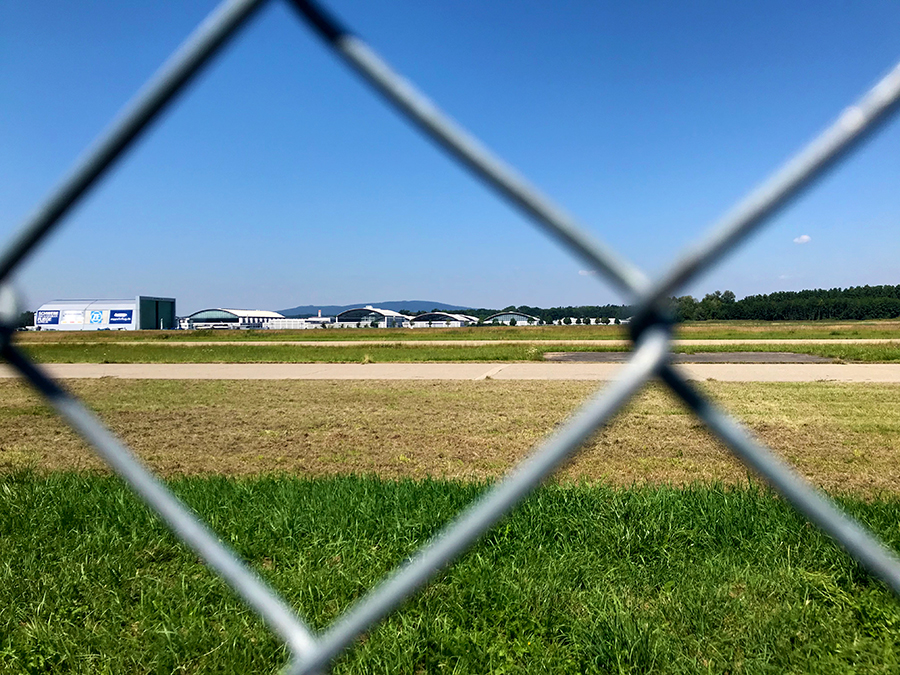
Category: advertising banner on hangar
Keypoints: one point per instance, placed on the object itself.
(47, 317)
(72, 316)
(121, 316)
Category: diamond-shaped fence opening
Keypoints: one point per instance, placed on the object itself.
(312, 652)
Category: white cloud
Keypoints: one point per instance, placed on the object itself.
(587, 273)
(802, 239)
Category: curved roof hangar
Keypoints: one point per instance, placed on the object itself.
(506, 317)
(444, 317)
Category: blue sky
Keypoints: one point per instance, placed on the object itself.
(279, 179)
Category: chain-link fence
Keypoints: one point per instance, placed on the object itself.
(651, 330)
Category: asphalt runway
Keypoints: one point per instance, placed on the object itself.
(725, 372)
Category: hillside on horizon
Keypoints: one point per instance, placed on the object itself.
(414, 306)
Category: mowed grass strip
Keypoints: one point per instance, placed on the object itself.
(888, 352)
(698, 330)
(581, 579)
(786, 330)
(525, 333)
(841, 436)
(143, 352)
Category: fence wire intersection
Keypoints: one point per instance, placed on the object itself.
(651, 329)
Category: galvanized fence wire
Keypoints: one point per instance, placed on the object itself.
(651, 330)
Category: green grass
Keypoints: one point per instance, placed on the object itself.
(878, 353)
(584, 579)
(711, 330)
(863, 353)
(225, 353)
(340, 335)
(786, 330)
(144, 352)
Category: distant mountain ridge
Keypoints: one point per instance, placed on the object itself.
(414, 306)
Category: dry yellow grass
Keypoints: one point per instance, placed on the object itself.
(841, 436)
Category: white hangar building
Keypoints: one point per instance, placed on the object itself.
(229, 318)
(368, 316)
(442, 320)
(299, 324)
(508, 317)
(141, 313)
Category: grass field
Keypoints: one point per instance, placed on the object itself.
(859, 353)
(583, 579)
(785, 330)
(842, 436)
(653, 552)
(150, 352)
(142, 352)
(712, 330)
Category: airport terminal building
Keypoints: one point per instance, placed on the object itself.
(141, 313)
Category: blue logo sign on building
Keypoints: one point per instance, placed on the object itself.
(46, 317)
(120, 315)
(96, 316)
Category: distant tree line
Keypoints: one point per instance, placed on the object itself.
(25, 319)
(856, 302)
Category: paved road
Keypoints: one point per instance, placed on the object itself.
(727, 372)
